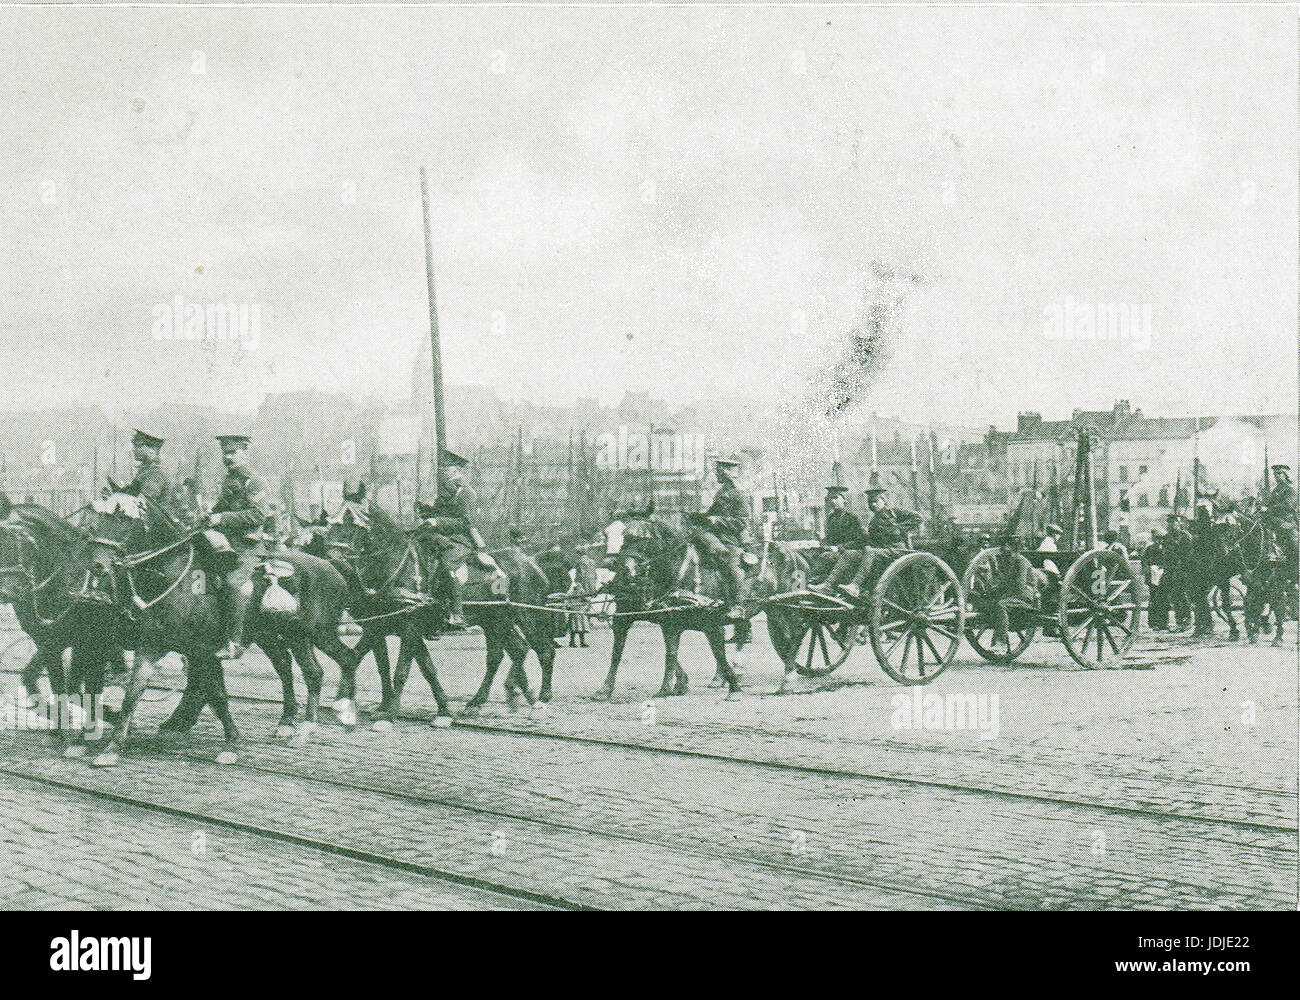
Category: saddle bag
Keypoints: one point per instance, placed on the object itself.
(276, 600)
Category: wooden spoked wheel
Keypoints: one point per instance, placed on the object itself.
(1099, 612)
(821, 646)
(978, 582)
(918, 615)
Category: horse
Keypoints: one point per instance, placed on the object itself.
(661, 577)
(386, 576)
(148, 583)
(1270, 583)
(395, 583)
(36, 553)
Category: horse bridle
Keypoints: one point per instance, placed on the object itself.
(34, 588)
(412, 549)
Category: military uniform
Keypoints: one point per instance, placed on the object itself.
(844, 530)
(844, 533)
(241, 509)
(1280, 515)
(451, 536)
(723, 539)
(886, 530)
(152, 483)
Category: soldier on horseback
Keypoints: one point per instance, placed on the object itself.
(1279, 515)
(722, 534)
(241, 509)
(453, 536)
(151, 482)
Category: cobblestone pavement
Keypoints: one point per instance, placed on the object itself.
(1168, 783)
(62, 851)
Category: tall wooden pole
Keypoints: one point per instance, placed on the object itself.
(435, 345)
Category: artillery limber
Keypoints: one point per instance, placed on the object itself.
(913, 615)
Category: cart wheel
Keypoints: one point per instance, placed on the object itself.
(976, 581)
(1098, 616)
(821, 647)
(918, 614)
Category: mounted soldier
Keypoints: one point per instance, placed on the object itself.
(151, 482)
(241, 510)
(1279, 514)
(723, 530)
(453, 536)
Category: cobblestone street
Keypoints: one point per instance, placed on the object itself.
(1169, 783)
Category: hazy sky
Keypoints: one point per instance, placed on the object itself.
(679, 200)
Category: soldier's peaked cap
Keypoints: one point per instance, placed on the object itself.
(144, 437)
(727, 462)
(872, 491)
(1283, 466)
(1055, 529)
(242, 440)
(835, 491)
(452, 459)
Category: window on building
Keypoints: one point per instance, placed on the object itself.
(1142, 470)
(769, 505)
(1123, 473)
(1142, 500)
(1164, 496)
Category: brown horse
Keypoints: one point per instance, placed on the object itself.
(37, 549)
(397, 589)
(148, 584)
(661, 577)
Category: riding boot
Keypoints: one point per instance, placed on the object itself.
(455, 604)
(237, 609)
(737, 574)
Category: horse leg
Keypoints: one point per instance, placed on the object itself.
(214, 676)
(545, 650)
(718, 643)
(517, 678)
(425, 662)
(495, 639)
(135, 687)
(278, 653)
(305, 653)
(329, 643)
(620, 627)
(43, 661)
(1225, 602)
(388, 698)
(348, 659)
(671, 684)
(405, 655)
